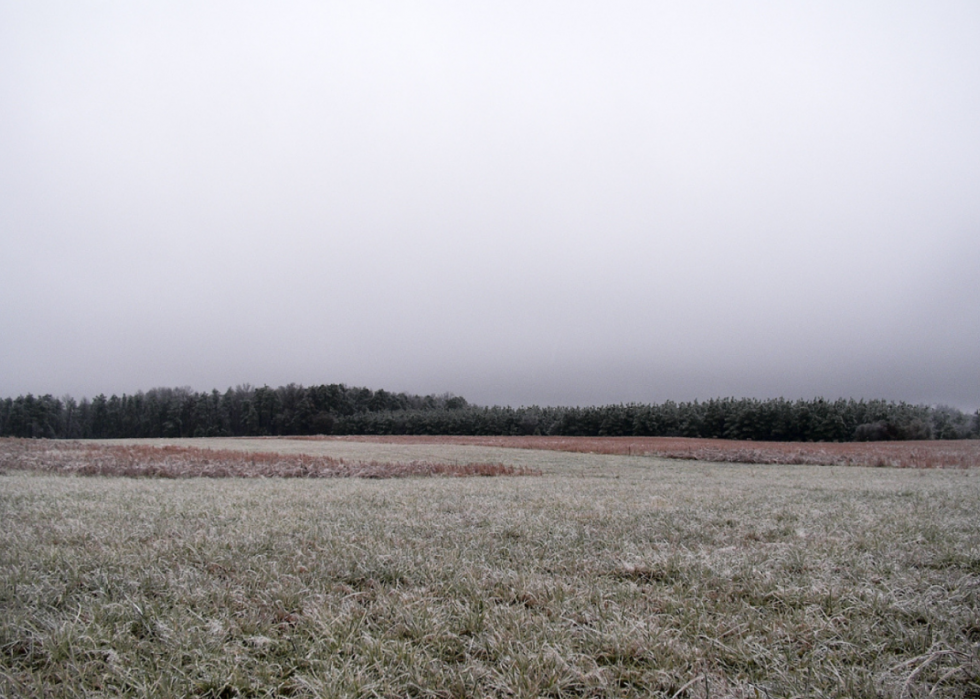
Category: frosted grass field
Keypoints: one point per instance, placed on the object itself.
(606, 576)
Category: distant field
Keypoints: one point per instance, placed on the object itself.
(917, 454)
(517, 450)
(604, 576)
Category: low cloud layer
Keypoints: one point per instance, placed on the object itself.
(553, 203)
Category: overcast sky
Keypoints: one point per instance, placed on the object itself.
(517, 202)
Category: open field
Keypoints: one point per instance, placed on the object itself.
(915, 454)
(520, 450)
(605, 576)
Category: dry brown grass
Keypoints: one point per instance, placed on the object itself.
(172, 461)
(917, 454)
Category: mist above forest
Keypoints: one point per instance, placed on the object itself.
(527, 202)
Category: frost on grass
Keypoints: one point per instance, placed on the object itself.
(169, 461)
(607, 576)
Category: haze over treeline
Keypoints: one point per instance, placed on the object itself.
(341, 410)
(523, 201)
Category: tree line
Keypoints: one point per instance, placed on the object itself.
(337, 409)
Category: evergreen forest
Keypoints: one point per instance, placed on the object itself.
(337, 409)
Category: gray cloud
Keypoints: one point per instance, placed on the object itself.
(517, 202)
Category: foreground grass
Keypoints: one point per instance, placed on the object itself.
(606, 576)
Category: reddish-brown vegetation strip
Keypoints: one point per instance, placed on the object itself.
(189, 462)
(918, 454)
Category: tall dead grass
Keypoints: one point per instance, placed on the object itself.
(171, 461)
